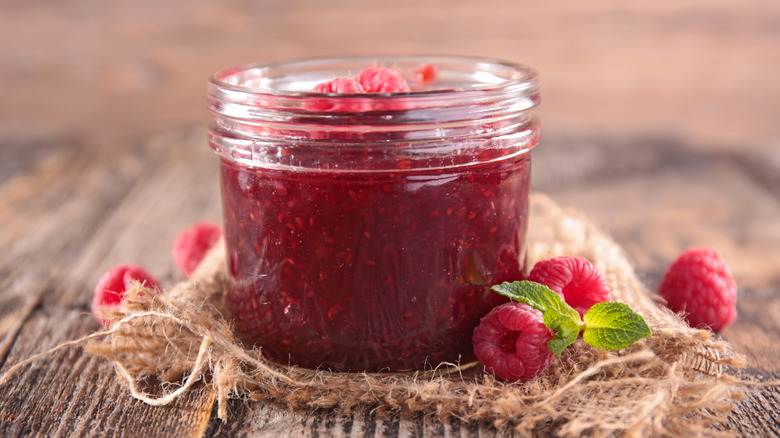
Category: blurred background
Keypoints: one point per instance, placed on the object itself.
(706, 71)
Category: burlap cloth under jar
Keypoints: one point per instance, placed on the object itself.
(676, 382)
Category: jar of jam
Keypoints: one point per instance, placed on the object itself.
(364, 230)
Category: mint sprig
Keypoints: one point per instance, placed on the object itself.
(606, 325)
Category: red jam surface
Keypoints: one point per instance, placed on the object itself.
(371, 271)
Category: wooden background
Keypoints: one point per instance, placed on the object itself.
(660, 122)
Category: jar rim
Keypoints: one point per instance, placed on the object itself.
(268, 113)
(515, 76)
(276, 90)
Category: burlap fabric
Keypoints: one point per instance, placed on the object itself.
(678, 382)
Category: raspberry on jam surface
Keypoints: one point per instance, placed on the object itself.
(382, 80)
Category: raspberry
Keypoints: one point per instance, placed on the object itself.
(369, 80)
(339, 85)
(192, 244)
(511, 342)
(335, 104)
(110, 289)
(381, 80)
(573, 278)
(700, 285)
(426, 73)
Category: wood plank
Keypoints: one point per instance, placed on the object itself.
(68, 392)
(71, 394)
(67, 227)
(268, 419)
(756, 415)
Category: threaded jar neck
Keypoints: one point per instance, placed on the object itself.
(474, 102)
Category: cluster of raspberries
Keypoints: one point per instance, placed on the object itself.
(369, 80)
(511, 340)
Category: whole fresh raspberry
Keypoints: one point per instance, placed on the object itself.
(369, 80)
(381, 80)
(511, 342)
(192, 244)
(111, 287)
(699, 285)
(337, 104)
(573, 278)
(339, 85)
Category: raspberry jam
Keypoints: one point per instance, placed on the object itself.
(364, 231)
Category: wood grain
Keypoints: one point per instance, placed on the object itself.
(67, 392)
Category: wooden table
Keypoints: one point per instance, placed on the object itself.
(103, 159)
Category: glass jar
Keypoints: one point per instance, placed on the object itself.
(364, 231)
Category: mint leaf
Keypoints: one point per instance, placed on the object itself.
(566, 330)
(538, 296)
(613, 326)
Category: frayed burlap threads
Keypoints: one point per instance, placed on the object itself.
(671, 384)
